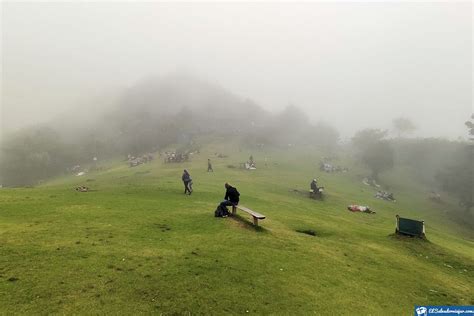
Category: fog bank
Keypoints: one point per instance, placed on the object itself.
(353, 65)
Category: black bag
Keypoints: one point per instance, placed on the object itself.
(221, 211)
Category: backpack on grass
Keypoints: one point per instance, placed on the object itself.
(221, 211)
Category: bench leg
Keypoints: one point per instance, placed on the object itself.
(234, 209)
(255, 221)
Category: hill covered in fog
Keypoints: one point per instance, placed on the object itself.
(152, 114)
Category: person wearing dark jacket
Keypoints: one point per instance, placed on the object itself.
(315, 192)
(231, 198)
(231, 195)
(186, 177)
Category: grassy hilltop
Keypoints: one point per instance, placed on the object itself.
(136, 244)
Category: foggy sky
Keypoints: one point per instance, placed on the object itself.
(354, 65)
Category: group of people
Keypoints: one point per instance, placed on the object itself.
(370, 182)
(232, 195)
(327, 167)
(82, 189)
(176, 157)
(250, 164)
(136, 161)
(387, 196)
(231, 198)
(435, 196)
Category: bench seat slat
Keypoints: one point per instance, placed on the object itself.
(253, 213)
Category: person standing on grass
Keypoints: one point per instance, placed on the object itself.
(188, 182)
(209, 166)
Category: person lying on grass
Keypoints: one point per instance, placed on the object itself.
(231, 199)
(82, 189)
(360, 208)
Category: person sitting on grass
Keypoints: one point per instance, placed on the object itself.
(186, 177)
(82, 189)
(315, 192)
(231, 199)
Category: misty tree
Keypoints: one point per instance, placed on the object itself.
(403, 125)
(378, 157)
(373, 150)
(152, 115)
(424, 156)
(457, 178)
(293, 116)
(32, 155)
(363, 139)
(291, 126)
(325, 136)
(470, 126)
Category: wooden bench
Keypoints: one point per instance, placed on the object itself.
(256, 216)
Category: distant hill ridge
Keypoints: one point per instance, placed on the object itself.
(152, 114)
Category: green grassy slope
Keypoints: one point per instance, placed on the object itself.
(138, 245)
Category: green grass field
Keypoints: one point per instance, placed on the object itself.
(137, 245)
